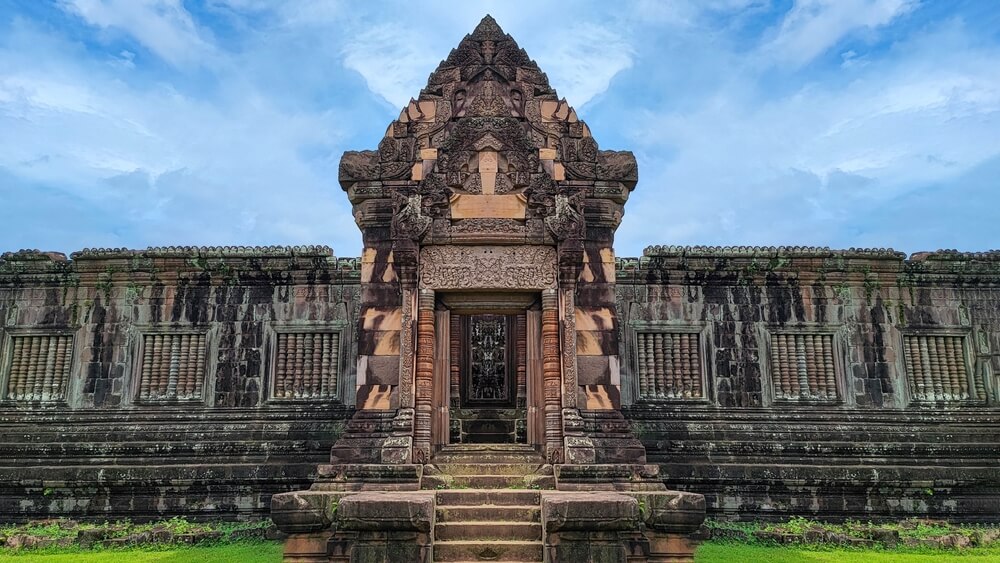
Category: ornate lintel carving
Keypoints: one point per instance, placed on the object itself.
(487, 267)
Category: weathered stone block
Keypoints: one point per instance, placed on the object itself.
(587, 527)
(390, 527)
(593, 370)
(304, 511)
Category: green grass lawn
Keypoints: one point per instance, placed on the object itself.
(734, 552)
(266, 552)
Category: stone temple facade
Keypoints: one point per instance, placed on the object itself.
(488, 320)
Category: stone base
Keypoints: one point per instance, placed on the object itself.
(308, 548)
(600, 437)
(376, 437)
(664, 548)
(609, 527)
(608, 477)
(368, 477)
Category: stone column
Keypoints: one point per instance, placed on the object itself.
(423, 396)
(535, 391)
(442, 375)
(552, 376)
(568, 307)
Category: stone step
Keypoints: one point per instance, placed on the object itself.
(488, 551)
(510, 513)
(479, 497)
(490, 437)
(492, 468)
(488, 481)
(488, 530)
(487, 457)
(479, 449)
(487, 453)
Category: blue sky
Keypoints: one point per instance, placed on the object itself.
(221, 122)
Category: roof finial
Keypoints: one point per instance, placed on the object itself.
(488, 30)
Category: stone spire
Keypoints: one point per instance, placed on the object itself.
(488, 149)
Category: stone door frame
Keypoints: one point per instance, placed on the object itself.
(488, 268)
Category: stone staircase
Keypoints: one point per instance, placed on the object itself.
(488, 466)
(488, 506)
(488, 525)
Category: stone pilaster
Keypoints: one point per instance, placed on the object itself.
(424, 377)
(552, 376)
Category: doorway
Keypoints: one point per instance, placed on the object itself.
(491, 367)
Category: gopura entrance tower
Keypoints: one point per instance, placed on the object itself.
(488, 380)
(488, 298)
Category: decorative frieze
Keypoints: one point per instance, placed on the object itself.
(172, 367)
(937, 369)
(670, 365)
(487, 267)
(306, 366)
(38, 367)
(803, 367)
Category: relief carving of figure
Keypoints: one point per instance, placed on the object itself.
(566, 222)
(410, 222)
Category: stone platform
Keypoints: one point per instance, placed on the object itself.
(489, 502)
(489, 524)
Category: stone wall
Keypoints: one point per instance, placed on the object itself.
(170, 380)
(775, 381)
(807, 381)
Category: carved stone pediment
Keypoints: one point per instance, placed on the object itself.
(487, 127)
(523, 267)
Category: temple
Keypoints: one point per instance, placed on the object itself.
(488, 381)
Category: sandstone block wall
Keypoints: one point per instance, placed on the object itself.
(775, 381)
(173, 380)
(850, 384)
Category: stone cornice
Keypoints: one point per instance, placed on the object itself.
(771, 251)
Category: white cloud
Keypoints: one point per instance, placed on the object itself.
(163, 26)
(691, 12)
(394, 61)
(158, 166)
(813, 26)
(795, 168)
(96, 149)
(582, 59)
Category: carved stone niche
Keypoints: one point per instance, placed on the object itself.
(525, 267)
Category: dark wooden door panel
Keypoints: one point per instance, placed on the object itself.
(488, 356)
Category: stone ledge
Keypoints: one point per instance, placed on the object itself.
(303, 512)
(674, 512)
(368, 477)
(205, 252)
(387, 511)
(588, 511)
(608, 477)
(771, 251)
